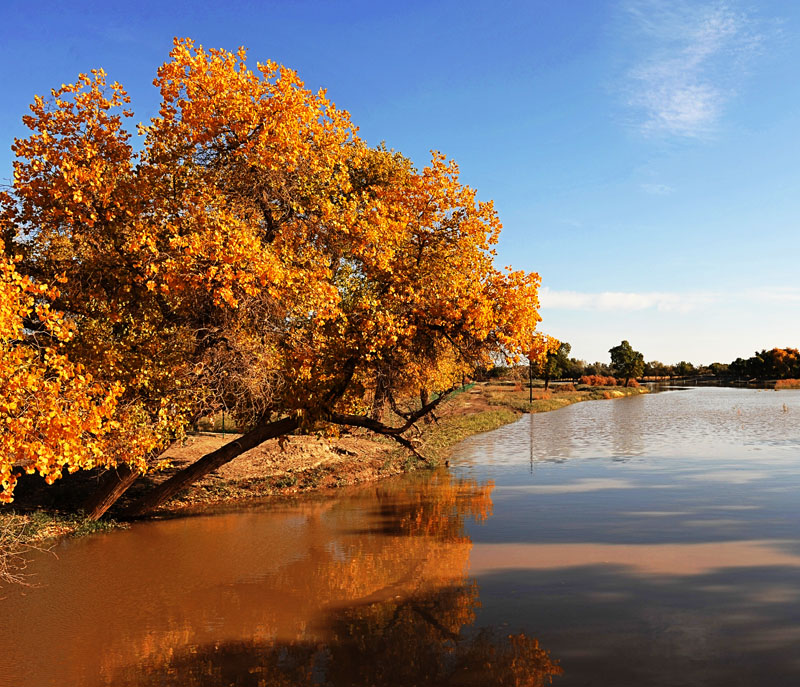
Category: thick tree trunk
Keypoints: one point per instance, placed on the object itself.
(210, 462)
(112, 485)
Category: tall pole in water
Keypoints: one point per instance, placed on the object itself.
(530, 380)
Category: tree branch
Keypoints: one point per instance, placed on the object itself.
(395, 433)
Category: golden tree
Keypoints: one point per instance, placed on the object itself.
(256, 256)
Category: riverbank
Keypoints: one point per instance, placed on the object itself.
(303, 463)
(315, 462)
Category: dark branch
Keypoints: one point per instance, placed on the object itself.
(395, 433)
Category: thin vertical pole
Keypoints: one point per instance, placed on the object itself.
(530, 381)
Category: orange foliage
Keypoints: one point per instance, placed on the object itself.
(256, 255)
(54, 415)
(787, 384)
(598, 380)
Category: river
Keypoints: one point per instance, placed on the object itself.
(651, 540)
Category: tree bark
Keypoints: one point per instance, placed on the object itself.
(113, 484)
(423, 401)
(210, 462)
(380, 398)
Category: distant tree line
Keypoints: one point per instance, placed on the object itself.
(777, 363)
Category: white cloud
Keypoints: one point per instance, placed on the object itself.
(618, 300)
(692, 57)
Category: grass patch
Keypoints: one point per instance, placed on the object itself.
(285, 482)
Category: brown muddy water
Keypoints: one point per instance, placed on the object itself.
(652, 540)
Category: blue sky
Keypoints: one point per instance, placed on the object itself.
(643, 154)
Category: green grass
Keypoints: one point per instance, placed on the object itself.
(285, 482)
(41, 525)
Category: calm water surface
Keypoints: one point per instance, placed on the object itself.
(644, 541)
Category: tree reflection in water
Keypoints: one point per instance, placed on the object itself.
(414, 642)
(402, 617)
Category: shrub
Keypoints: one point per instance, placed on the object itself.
(598, 380)
(787, 384)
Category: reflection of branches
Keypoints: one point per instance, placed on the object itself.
(434, 622)
(396, 585)
(415, 642)
(436, 507)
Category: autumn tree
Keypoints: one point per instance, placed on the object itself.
(626, 362)
(255, 255)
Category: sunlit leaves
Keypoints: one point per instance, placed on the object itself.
(256, 255)
(53, 416)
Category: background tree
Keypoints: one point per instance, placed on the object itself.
(556, 363)
(655, 368)
(626, 362)
(598, 369)
(719, 370)
(684, 369)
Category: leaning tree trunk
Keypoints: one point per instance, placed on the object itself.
(112, 485)
(210, 462)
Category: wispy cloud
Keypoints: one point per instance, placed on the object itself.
(619, 300)
(657, 189)
(691, 60)
(665, 301)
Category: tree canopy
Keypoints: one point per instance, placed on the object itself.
(626, 362)
(254, 255)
